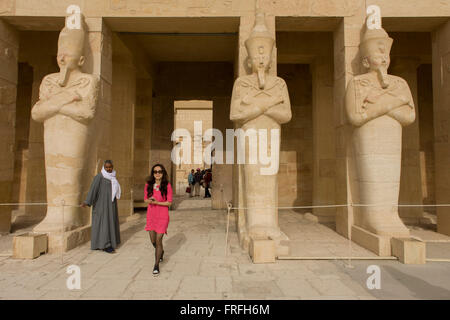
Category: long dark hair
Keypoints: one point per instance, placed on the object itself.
(163, 185)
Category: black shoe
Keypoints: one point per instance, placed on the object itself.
(156, 270)
(162, 257)
(109, 250)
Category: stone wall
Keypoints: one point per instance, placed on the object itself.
(9, 45)
(441, 107)
(295, 178)
(333, 63)
(38, 49)
(23, 114)
(313, 50)
(426, 126)
(122, 136)
(142, 136)
(182, 8)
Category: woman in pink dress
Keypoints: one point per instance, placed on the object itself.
(158, 195)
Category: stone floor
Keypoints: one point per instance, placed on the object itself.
(197, 266)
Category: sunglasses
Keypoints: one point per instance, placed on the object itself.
(158, 171)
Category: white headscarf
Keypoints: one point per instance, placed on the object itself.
(116, 191)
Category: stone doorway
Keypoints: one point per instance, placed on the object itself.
(186, 114)
(185, 59)
(307, 160)
(411, 58)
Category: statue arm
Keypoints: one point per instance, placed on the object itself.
(281, 112)
(383, 105)
(48, 105)
(84, 109)
(242, 110)
(406, 114)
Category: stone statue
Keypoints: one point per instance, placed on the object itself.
(378, 105)
(260, 101)
(66, 106)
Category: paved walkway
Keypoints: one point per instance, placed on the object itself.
(196, 267)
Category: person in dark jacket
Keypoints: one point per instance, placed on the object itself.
(207, 178)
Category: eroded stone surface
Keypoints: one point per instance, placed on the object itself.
(67, 105)
(378, 105)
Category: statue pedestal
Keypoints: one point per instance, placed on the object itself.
(29, 245)
(380, 245)
(408, 250)
(266, 250)
(262, 250)
(69, 240)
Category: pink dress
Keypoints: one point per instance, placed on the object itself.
(158, 216)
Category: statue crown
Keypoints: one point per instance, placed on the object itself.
(260, 34)
(371, 40)
(73, 39)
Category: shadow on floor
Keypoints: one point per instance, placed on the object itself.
(419, 288)
(173, 244)
(132, 229)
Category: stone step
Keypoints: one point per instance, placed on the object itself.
(193, 203)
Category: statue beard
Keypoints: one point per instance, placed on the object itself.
(64, 73)
(382, 76)
(261, 77)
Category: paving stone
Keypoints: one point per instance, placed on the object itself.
(299, 288)
(157, 284)
(218, 268)
(197, 284)
(331, 287)
(255, 288)
(224, 284)
(197, 296)
(196, 266)
(61, 292)
(105, 288)
(151, 295)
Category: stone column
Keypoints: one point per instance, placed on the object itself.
(122, 137)
(162, 127)
(9, 47)
(441, 107)
(410, 183)
(99, 62)
(324, 151)
(142, 136)
(346, 64)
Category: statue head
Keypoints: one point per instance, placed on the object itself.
(259, 47)
(70, 51)
(375, 48)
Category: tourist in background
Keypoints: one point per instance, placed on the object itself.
(197, 179)
(158, 195)
(207, 178)
(103, 195)
(191, 182)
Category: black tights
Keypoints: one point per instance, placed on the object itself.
(156, 239)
